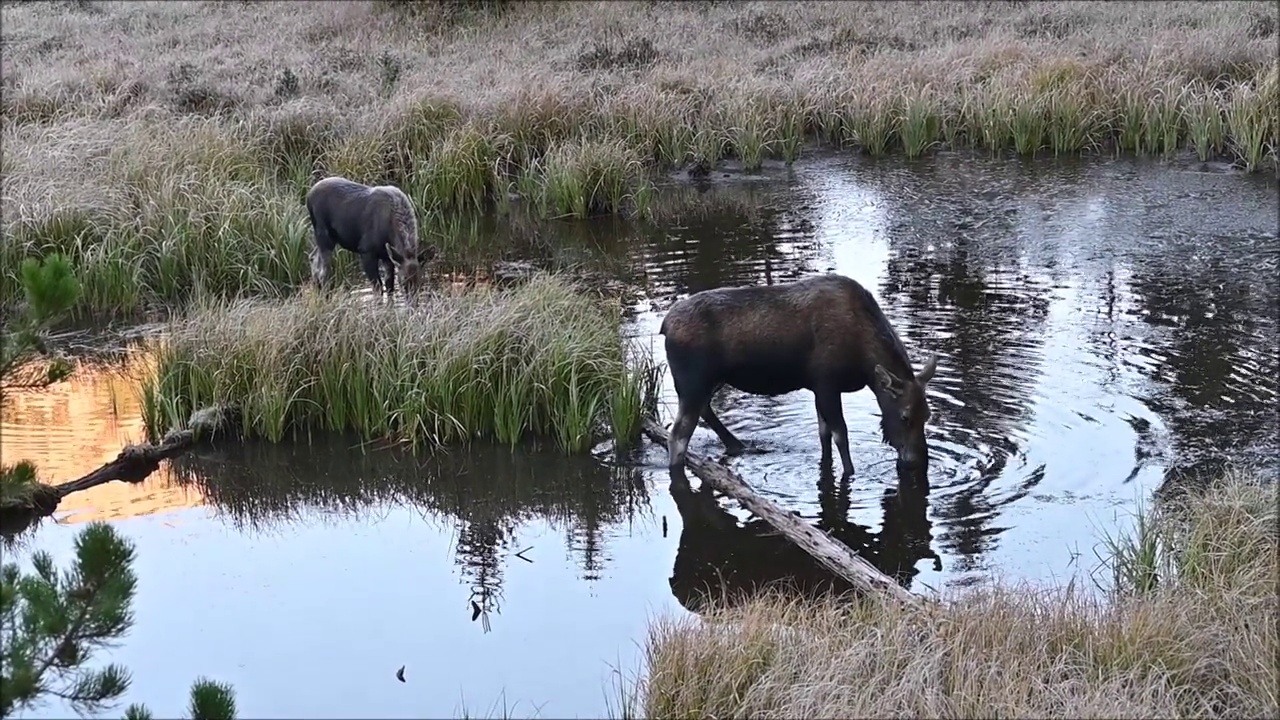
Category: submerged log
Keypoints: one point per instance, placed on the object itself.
(134, 464)
(833, 554)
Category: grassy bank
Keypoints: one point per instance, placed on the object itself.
(166, 146)
(539, 360)
(1188, 628)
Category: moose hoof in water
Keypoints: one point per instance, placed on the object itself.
(744, 449)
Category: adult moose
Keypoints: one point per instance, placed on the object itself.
(377, 223)
(824, 333)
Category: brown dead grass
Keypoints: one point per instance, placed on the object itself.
(125, 125)
(1200, 642)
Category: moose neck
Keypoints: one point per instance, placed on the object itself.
(887, 405)
(891, 354)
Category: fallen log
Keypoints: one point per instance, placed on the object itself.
(134, 464)
(833, 554)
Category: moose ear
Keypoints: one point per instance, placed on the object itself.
(888, 381)
(426, 253)
(394, 254)
(926, 373)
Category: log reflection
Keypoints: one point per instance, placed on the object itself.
(723, 561)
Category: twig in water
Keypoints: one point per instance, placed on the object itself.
(522, 552)
(400, 674)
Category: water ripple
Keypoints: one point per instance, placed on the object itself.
(1085, 343)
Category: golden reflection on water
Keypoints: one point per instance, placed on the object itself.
(73, 427)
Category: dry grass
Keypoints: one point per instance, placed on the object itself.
(166, 145)
(1202, 641)
(539, 361)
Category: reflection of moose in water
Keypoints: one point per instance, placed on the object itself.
(824, 333)
(720, 561)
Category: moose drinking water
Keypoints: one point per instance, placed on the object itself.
(377, 223)
(823, 333)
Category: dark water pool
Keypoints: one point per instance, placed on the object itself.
(1104, 328)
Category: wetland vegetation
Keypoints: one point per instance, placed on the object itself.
(541, 360)
(163, 149)
(1187, 628)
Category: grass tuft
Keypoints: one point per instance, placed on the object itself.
(539, 361)
(1188, 628)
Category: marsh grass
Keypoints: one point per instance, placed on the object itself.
(589, 177)
(187, 171)
(538, 361)
(1186, 628)
(1206, 126)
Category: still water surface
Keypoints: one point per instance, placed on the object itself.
(1104, 328)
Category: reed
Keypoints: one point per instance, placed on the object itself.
(1206, 127)
(540, 361)
(589, 177)
(1253, 121)
(1186, 628)
(1164, 121)
(462, 171)
(872, 124)
(919, 123)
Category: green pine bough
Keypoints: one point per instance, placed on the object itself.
(51, 623)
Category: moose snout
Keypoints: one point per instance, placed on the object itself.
(910, 457)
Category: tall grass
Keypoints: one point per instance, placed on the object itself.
(1187, 628)
(187, 174)
(536, 361)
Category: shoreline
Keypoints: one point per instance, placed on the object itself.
(1191, 582)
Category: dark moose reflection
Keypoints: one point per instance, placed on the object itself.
(488, 492)
(723, 561)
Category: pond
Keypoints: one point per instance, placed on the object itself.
(1104, 328)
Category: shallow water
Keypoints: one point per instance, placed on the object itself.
(1103, 327)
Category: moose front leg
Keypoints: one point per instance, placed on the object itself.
(832, 414)
(391, 276)
(369, 264)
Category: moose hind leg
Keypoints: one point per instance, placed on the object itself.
(824, 436)
(321, 265)
(681, 432)
(693, 394)
(830, 412)
(732, 445)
